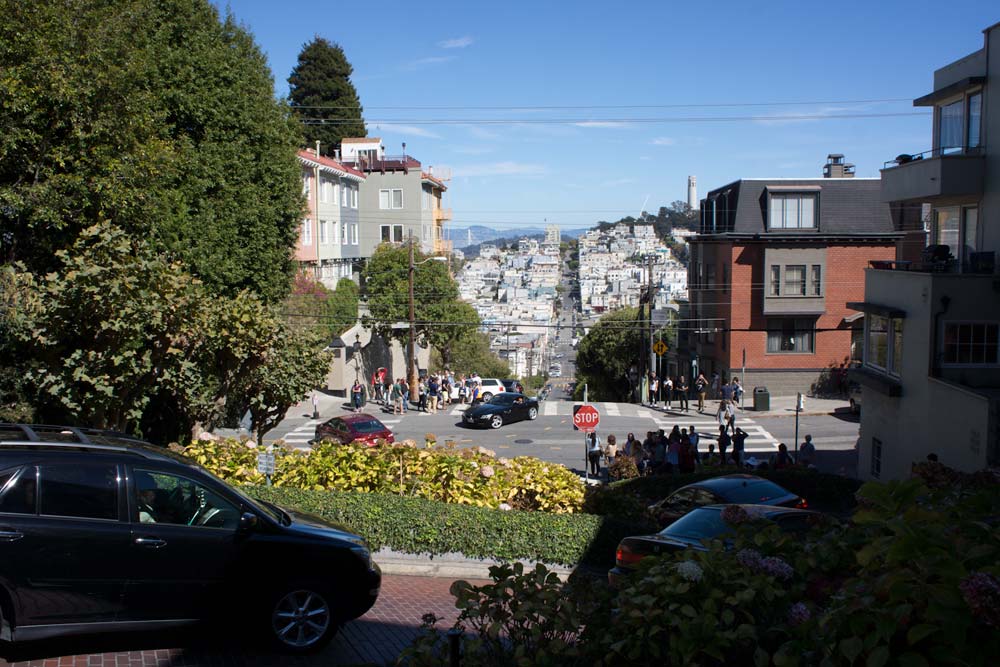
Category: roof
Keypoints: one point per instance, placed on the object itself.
(328, 164)
(437, 182)
(847, 206)
(360, 140)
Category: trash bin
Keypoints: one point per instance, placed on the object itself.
(761, 399)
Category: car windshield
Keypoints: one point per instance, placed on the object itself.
(699, 524)
(754, 492)
(370, 426)
(502, 399)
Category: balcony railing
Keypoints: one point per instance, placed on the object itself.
(442, 214)
(382, 164)
(938, 259)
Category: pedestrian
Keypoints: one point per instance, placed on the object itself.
(405, 387)
(731, 410)
(315, 402)
(724, 442)
(716, 382)
(445, 391)
(695, 440)
(721, 415)
(659, 453)
(396, 395)
(807, 453)
(654, 385)
(739, 444)
(630, 445)
(674, 451)
(422, 395)
(783, 459)
(687, 456)
(433, 393)
(594, 453)
(668, 390)
(701, 388)
(710, 458)
(611, 450)
(737, 390)
(356, 395)
(463, 390)
(682, 389)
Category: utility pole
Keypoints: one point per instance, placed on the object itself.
(411, 364)
(649, 296)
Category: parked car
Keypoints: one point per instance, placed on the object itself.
(854, 397)
(104, 533)
(513, 386)
(489, 387)
(733, 489)
(360, 427)
(692, 529)
(501, 409)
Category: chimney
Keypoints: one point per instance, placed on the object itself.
(835, 167)
(317, 148)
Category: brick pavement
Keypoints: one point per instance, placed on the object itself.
(375, 638)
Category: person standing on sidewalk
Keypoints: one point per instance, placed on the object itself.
(716, 385)
(594, 453)
(396, 395)
(654, 385)
(807, 453)
(433, 390)
(700, 388)
(724, 442)
(668, 390)
(739, 445)
(405, 387)
(356, 395)
(422, 395)
(682, 394)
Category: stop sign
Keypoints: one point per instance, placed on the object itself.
(586, 417)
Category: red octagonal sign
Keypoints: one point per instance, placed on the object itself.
(586, 417)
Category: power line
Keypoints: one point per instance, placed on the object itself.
(536, 107)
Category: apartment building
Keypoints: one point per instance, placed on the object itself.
(772, 268)
(931, 373)
(328, 246)
(398, 198)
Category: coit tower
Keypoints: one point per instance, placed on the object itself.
(693, 193)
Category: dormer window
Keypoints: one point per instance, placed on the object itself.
(792, 211)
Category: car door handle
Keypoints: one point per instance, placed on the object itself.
(10, 535)
(150, 542)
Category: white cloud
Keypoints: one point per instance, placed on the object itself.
(413, 130)
(457, 43)
(663, 141)
(602, 123)
(421, 63)
(507, 168)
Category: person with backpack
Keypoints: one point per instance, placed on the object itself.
(701, 388)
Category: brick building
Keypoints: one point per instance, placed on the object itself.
(772, 269)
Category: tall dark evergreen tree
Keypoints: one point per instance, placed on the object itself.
(320, 89)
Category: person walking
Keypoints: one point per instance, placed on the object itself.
(594, 453)
(701, 388)
(721, 416)
(807, 453)
(731, 411)
(668, 390)
(357, 395)
(433, 393)
(405, 387)
(739, 443)
(396, 395)
(724, 442)
(654, 385)
(682, 390)
(737, 390)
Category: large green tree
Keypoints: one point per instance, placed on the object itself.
(607, 353)
(313, 307)
(323, 96)
(441, 319)
(158, 116)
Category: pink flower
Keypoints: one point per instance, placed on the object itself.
(486, 471)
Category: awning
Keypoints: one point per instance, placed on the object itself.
(959, 86)
(876, 309)
(851, 319)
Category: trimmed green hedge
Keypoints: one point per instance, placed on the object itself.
(416, 525)
(629, 498)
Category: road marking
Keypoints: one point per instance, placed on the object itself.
(612, 410)
(390, 421)
(643, 414)
(555, 447)
(550, 409)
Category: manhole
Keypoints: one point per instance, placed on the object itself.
(523, 441)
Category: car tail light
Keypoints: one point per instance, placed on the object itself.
(802, 504)
(625, 556)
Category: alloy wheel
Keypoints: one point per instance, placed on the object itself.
(496, 421)
(532, 413)
(301, 619)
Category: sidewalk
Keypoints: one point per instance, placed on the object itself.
(781, 406)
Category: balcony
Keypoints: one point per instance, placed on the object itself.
(932, 175)
(443, 246)
(442, 214)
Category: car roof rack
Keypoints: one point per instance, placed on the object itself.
(72, 437)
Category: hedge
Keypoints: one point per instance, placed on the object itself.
(629, 498)
(416, 525)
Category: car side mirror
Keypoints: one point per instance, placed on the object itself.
(248, 521)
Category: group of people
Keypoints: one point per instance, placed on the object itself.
(432, 393)
(666, 390)
(679, 451)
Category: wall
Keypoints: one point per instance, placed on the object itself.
(372, 217)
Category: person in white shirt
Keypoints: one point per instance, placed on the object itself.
(594, 452)
(668, 391)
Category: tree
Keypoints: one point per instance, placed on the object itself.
(313, 307)
(607, 353)
(441, 319)
(157, 116)
(473, 353)
(343, 306)
(323, 96)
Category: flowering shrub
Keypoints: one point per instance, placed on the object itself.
(465, 476)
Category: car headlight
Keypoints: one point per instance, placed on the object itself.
(360, 547)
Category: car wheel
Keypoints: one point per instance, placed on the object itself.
(485, 397)
(496, 421)
(532, 413)
(301, 620)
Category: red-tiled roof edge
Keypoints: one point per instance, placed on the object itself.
(306, 154)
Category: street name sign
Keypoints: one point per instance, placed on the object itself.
(585, 418)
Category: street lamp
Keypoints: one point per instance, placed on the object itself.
(357, 357)
(411, 370)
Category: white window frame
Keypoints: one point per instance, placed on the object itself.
(893, 352)
(306, 178)
(969, 323)
(354, 233)
(344, 239)
(324, 232)
(390, 196)
(335, 236)
(307, 236)
(783, 223)
(354, 196)
(343, 196)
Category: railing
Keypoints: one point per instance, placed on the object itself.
(907, 158)
(938, 259)
(442, 214)
(384, 163)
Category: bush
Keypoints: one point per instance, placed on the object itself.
(415, 525)
(464, 476)
(623, 468)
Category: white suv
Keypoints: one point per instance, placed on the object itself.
(490, 386)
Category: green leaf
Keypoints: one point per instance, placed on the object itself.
(878, 657)
(918, 632)
(851, 648)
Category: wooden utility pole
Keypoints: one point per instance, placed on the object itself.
(411, 363)
(649, 297)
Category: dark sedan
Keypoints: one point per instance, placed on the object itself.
(501, 409)
(692, 529)
(353, 428)
(727, 489)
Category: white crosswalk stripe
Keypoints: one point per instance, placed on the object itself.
(611, 409)
(551, 408)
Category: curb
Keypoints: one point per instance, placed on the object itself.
(452, 565)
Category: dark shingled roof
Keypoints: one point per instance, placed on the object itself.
(846, 206)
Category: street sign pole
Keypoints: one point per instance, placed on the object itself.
(798, 408)
(743, 378)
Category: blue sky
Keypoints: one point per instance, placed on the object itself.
(409, 55)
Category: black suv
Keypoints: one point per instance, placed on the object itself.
(100, 532)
